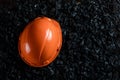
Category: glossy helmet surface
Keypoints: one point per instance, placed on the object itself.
(40, 42)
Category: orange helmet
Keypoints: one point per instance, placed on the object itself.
(40, 42)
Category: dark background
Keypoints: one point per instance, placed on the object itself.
(91, 39)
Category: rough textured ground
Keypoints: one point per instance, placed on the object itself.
(91, 39)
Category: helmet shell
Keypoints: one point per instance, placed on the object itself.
(40, 42)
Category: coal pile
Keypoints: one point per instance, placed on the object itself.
(91, 39)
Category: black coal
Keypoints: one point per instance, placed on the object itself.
(91, 39)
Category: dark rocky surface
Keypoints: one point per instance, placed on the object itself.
(91, 39)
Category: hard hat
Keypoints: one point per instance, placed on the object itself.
(40, 42)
